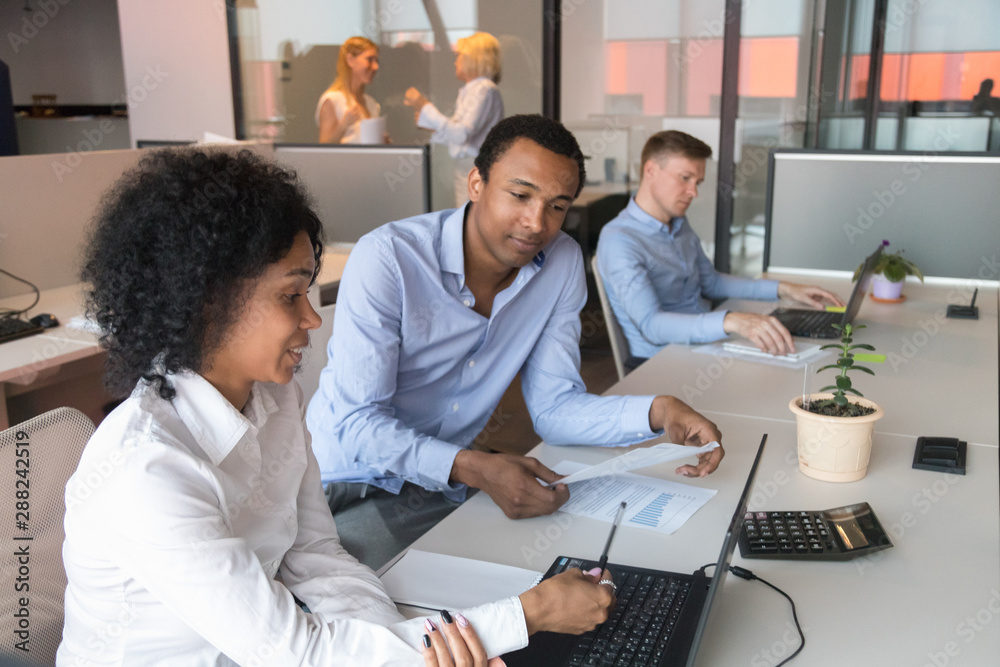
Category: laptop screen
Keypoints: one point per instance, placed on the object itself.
(726, 556)
(861, 286)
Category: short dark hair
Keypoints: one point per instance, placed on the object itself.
(173, 254)
(674, 142)
(545, 132)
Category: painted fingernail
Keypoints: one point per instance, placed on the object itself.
(427, 641)
(596, 572)
(446, 616)
(462, 620)
(429, 624)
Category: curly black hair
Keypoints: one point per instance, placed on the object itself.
(545, 132)
(175, 248)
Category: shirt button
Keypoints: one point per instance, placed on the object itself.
(246, 447)
(467, 303)
(472, 363)
(454, 408)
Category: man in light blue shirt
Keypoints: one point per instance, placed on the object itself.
(657, 276)
(436, 315)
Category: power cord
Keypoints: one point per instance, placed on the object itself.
(10, 312)
(744, 573)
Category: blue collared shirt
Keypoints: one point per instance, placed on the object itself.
(658, 280)
(415, 373)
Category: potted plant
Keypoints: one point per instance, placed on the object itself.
(835, 432)
(891, 270)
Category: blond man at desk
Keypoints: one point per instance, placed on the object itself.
(658, 278)
(436, 315)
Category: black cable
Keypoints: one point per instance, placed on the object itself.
(750, 576)
(10, 312)
(744, 573)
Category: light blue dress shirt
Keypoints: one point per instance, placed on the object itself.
(415, 373)
(658, 280)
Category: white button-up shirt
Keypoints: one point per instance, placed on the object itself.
(189, 526)
(478, 108)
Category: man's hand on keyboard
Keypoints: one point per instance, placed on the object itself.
(764, 331)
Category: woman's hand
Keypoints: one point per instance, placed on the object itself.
(414, 98)
(457, 635)
(571, 602)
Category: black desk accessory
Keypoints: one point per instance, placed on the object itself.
(45, 320)
(940, 455)
(840, 533)
(970, 312)
(12, 328)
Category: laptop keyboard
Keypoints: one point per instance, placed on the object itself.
(11, 328)
(638, 630)
(817, 321)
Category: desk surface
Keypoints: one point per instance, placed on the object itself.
(942, 371)
(934, 596)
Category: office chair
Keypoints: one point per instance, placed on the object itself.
(619, 344)
(314, 359)
(31, 526)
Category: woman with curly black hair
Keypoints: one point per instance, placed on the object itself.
(196, 516)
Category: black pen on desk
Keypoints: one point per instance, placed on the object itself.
(611, 536)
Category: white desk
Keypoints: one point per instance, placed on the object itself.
(938, 383)
(934, 596)
(35, 360)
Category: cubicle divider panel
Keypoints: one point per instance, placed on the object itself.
(47, 202)
(830, 209)
(358, 188)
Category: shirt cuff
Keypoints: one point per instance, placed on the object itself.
(768, 290)
(635, 418)
(435, 459)
(712, 325)
(430, 118)
(500, 625)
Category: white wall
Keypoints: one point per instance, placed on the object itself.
(177, 78)
(69, 49)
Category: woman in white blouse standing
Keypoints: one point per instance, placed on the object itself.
(196, 521)
(479, 106)
(345, 103)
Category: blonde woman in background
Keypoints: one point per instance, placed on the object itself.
(479, 106)
(345, 103)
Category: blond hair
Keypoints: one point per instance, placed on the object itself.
(352, 46)
(481, 52)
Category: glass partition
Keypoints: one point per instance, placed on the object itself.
(288, 56)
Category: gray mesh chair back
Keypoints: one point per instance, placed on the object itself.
(619, 344)
(38, 457)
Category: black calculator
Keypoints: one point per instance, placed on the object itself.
(835, 534)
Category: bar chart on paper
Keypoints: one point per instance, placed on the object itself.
(653, 504)
(652, 514)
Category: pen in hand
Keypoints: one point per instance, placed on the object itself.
(611, 536)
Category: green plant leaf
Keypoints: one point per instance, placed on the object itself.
(830, 388)
(862, 368)
(840, 400)
(833, 366)
(843, 382)
(855, 392)
(862, 346)
(845, 363)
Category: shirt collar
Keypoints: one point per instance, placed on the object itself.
(649, 224)
(452, 253)
(212, 420)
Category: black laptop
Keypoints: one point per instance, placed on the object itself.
(660, 617)
(809, 323)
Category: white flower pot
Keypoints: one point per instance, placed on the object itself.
(884, 289)
(834, 449)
